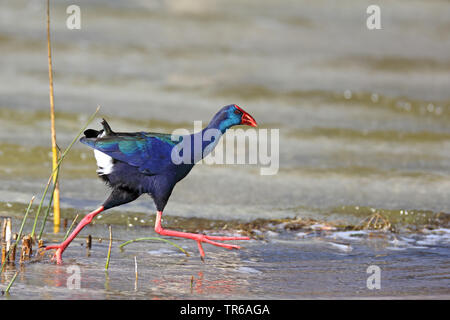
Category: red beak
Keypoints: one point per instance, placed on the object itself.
(246, 118)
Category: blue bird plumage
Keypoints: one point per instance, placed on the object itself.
(149, 152)
(136, 163)
(142, 160)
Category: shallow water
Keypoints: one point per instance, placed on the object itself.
(294, 265)
(364, 128)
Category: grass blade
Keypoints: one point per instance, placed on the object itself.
(56, 208)
(58, 165)
(11, 282)
(25, 219)
(156, 239)
(40, 205)
(48, 208)
(70, 228)
(109, 249)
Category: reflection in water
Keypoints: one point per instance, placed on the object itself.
(57, 277)
(107, 281)
(222, 286)
(198, 285)
(8, 273)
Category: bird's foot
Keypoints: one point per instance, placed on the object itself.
(197, 237)
(208, 239)
(58, 254)
(201, 238)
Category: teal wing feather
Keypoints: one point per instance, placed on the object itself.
(150, 152)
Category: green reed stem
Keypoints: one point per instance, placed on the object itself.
(109, 249)
(40, 205)
(70, 228)
(44, 221)
(11, 282)
(157, 239)
(56, 169)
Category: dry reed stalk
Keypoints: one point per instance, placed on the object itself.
(3, 240)
(6, 238)
(89, 242)
(27, 248)
(8, 233)
(4, 230)
(7, 241)
(12, 249)
(56, 207)
(4, 251)
(374, 222)
(41, 247)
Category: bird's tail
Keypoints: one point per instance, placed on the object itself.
(107, 128)
(91, 133)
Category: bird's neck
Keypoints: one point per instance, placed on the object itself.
(204, 141)
(220, 122)
(216, 128)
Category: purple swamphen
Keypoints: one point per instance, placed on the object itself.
(136, 163)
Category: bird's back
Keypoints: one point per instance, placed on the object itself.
(148, 151)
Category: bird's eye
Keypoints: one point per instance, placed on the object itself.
(237, 112)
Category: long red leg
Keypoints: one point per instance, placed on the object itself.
(62, 246)
(195, 236)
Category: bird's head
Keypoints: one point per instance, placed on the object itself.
(232, 115)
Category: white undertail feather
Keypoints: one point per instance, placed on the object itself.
(104, 162)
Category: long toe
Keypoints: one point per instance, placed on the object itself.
(198, 237)
(223, 245)
(221, 238)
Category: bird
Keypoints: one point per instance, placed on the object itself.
(133, 164)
